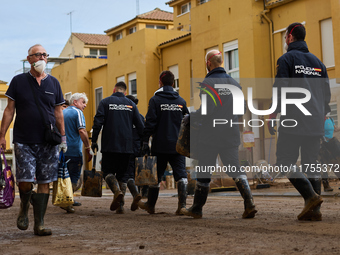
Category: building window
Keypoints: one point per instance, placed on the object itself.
(174, 70)
(132, 30)
(327, 43)
(121, 78)
(202, 1)
(185, 8)
(68, 96)
(3, 104)
(133, 84)
(191, 81)
(334, 113)
(156, 26)
(283, 38)
(98, 95)
(231, 62)
(98, 52)
(119, 36)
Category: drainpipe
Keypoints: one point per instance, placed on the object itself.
(263, 14)
(159, 56)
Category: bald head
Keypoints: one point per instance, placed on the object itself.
(213, 59)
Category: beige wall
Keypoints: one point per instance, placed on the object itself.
(170, 57)
(3, 89)
(74, 46)
(138, 53)
(74, 76)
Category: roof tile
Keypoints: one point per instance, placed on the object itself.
(157, 14)
(93, 39)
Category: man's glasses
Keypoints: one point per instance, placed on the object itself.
(38, 55)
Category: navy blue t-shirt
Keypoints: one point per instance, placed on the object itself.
(29, 125)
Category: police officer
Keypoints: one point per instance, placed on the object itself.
(116, 115)
(129, 176)
(220, 140)
(163, 121)
(300, 68)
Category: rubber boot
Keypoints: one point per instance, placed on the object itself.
(144, 192)
(149, 206)
(316, 214)
(200, 198)
(112, 182)
(22, 220)
(305, 188)
(74, 187)
(40, 201)
(135, 194)
(249, 207)
(326, 186)
(120, 209)
(182, 196)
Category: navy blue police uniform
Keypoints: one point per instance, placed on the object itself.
(300, 68)
(223, 139)
(116, 114)
(163, 121)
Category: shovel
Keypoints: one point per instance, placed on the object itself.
(92, 181)
(146, 170)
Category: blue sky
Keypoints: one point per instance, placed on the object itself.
(25, 23)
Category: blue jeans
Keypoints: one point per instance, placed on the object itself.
(74, 167)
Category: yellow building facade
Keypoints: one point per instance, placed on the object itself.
(250, 35)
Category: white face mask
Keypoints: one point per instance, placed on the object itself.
(39, 66)
(286, 46)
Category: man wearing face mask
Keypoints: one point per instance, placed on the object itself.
(35, 159)
(300, 68)
(222, 140)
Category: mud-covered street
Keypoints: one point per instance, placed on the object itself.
(94, 229)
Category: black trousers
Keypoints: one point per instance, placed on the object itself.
(288, 148)
(207, 162)
(177, 163)
(116, 164)
(131, 169)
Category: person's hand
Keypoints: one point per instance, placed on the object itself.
(144, 149)
(94, 147)
(63, 145)
(3, 143)
(89, 154)
(272, 124)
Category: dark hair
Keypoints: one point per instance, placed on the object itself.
(133, 99)
(297, 30)
(167, 78)
(67, 102)
(121, 85)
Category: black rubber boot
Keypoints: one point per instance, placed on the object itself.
(200, 198)
(182, 196)
(74, 189)
(149, 206)
(305, 188)
(135, 194)
(249, 207)
(22, 220)
(326, 186)
(316, 214)
(113, 184)
(40, 201)
(144, 192)
(120, 209)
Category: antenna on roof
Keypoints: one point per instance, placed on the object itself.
(137, 7)
(70, 13)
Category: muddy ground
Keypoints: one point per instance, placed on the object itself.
(94, 229)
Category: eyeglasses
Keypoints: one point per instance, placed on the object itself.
(38, 55)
